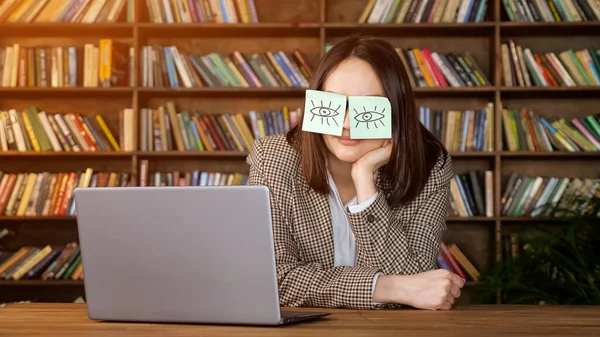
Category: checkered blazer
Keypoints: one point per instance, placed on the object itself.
(402, 240)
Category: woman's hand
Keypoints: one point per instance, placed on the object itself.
(432, 290)
(373, 160)
(364, 168)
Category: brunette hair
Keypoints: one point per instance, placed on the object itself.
(415, 150)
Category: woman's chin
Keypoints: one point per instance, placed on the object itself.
(348, 155)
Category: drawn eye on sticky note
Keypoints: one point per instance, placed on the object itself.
(370, 117)
(324, 112)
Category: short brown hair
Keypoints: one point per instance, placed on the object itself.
(415, 149)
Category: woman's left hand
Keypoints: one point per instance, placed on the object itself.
(373, 160)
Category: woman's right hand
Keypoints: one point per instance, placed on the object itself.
(432, 290)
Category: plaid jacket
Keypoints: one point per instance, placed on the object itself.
(402, 240)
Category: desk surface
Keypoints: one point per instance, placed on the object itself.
(54, 320)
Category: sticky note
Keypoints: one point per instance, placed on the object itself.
(324, 112)
(370, 117)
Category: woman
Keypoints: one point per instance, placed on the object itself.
(379, 248)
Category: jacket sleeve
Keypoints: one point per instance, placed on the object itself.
(409, 243)
(309, 284)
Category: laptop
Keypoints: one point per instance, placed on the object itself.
(190, 254)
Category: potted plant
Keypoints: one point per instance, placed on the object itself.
(554, 266)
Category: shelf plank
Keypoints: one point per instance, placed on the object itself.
(40, 283)
(263, 29)
(238, 154)
(37, 218)
(65, 92)
(549, 28)
(285, 91)
(50, 29)
(412, 29)
(221, 91)
(82, 154)
(546, 155)
(549, 92)
(192, 154)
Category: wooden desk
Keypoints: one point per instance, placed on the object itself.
(58, 320)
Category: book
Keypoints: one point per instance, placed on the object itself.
(431, 69)
(202, 11)
(568, 68)
(171, 67)
(51, 193)
(423, 11)
(461, 130)
(165, 128)
(58, 11)
(526, 130)
(547, 196)
(551, 11)
(37, 130)
(108, 63)
(48, 263)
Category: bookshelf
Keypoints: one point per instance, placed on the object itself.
(308, 25)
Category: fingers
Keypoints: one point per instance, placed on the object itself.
(455, 291)
(459, 281)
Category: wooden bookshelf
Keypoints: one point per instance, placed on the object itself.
(308, 25)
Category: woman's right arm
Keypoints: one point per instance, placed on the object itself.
(310, 284)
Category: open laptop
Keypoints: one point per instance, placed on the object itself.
(181, 255)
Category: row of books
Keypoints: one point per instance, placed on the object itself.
(44, 11)
(568, 68)
(46, 263)
(169, 66)
(432, 69)
(423, 11)
(461, 131)
(546, 196)
(552, 10)
(107, 64)
(190, 178)
(166, 129)
(453, 259)
(50, 193)
(471, 194)
(39, 131)
(525, 130)
(195, 11)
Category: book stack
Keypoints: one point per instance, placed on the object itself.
(461, 131)
(44, 11)
(107, 64)
(205, 11)
(39, 131)
(423, 11)
(551, 10)
(50, 194)
(569, 68)
(166, 129)
(525, 130)
(432, 69)
(471, 194)
(193, 178)
(452, 259)
(170, 67)
(47, 263)
(544, 196)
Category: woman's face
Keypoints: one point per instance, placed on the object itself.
(352, 77)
